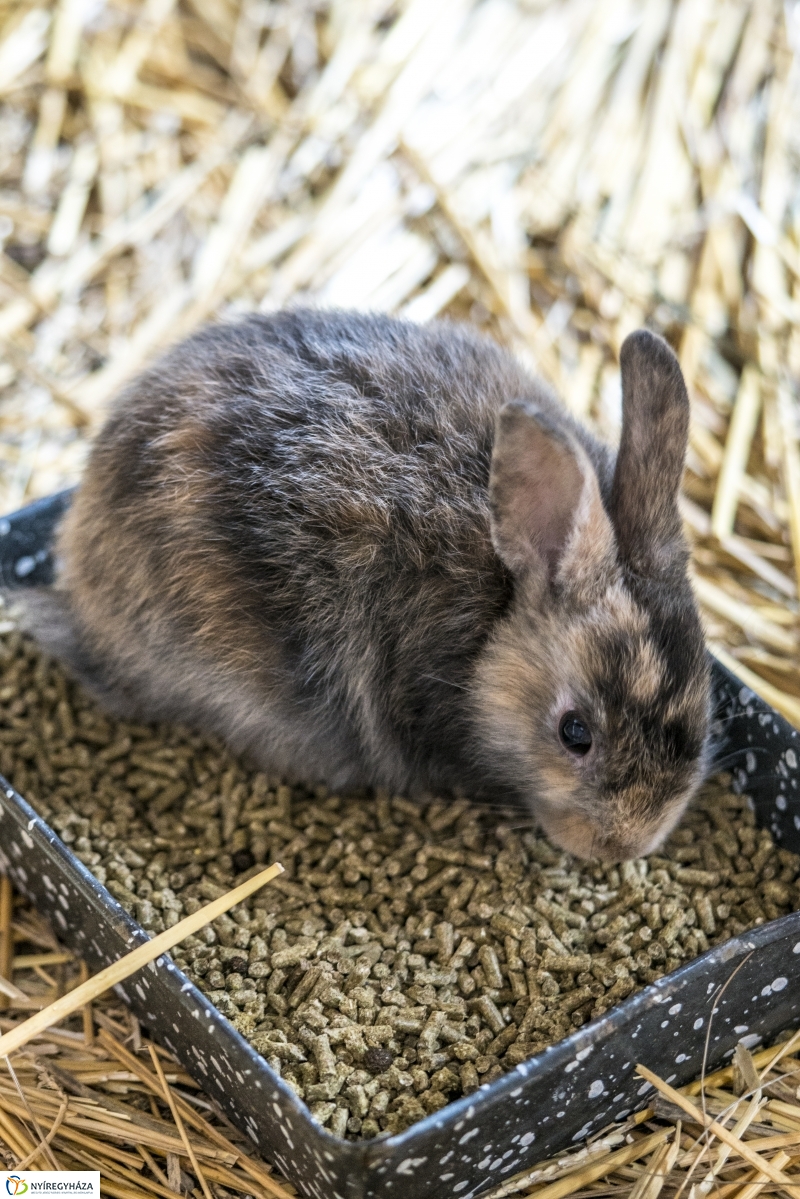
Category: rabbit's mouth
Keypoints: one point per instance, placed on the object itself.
(583, 838)
(612, 840)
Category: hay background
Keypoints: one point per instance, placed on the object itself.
(556, 171)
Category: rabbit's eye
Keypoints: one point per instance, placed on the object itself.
(576, 736)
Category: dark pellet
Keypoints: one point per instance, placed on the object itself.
(377, 1059)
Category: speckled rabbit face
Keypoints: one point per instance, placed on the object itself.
(593, 694)
(598, 719)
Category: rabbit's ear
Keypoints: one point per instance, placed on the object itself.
(547, 514)
(647, 478)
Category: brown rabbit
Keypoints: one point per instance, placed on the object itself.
(374, 553)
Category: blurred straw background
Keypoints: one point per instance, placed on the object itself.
(557, 171)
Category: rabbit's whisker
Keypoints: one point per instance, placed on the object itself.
(734, 755)
(447, 682)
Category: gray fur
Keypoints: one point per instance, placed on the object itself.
(284, 535)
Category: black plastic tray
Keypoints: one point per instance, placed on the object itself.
(543, 1106)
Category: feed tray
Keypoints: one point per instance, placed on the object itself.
(542, 1107)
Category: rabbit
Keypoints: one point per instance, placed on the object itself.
(383, 555)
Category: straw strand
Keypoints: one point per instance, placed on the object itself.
(133, 961)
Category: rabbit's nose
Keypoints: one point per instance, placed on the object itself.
(615, 849)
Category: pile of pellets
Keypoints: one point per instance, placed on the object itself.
(411, 952)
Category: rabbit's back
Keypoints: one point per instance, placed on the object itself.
(285, 524)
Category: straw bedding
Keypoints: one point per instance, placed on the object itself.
(557, 173)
